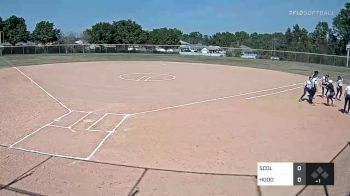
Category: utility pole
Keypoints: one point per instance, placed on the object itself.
(347, 56)
(2, 37)
(274, 40)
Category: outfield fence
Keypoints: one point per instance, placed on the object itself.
(172, 49)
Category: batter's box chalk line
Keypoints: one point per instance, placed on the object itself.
(86, 114)
(147, 77)
(109, 133)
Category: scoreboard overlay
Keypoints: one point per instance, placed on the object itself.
(291, 174)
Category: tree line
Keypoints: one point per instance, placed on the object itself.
(324, 39)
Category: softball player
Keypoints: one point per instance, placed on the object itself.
(347, 99)
(339, 87)
(324, 84)
(307, 88)
(330, 91)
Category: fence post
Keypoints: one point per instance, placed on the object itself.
(22, 49)
(347, 58)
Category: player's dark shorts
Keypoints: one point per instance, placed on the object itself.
(339, 88)
(309, 90)
(312, 90)
(324, 84)
(331, 94)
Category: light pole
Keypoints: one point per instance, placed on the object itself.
(2, 37)
(274, 46)
(347, 56)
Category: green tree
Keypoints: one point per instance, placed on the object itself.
(206, 39)
(165, 36)
(299, 39)
(278, 41)
(261, 41)
(1, 29)
(1, 24)
(101, 33)
(128, 32)
(334, 43)
(267, 41)
(45, 32)
(15, 30)
(224, 39)
(242, 38)
(319, 38)
(342, 26)
(288, 38)
(193, 37)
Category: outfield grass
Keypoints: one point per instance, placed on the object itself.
(285, 66)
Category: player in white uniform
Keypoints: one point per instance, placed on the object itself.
(313, 89)
(339, 87)
(324, 84)
(330, 92)
(307, 88)
(347, 99)
(315, 74)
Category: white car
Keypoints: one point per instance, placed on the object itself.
(170, 50)
(248, 55)
(160, 50)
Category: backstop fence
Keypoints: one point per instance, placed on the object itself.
(173, 49)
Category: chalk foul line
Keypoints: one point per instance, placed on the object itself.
(45, 91)
(214, 99)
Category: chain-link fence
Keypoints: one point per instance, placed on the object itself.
(176, 49)
(88, 48)
(290, 56)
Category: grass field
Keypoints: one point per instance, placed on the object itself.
(284, 66)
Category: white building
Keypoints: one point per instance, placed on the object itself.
(200, 50)
(247, 53)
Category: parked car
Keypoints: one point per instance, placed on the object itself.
(170, 50)
(275, 58)
(158, 49)
(248, 55)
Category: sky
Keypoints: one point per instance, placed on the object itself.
(205, 16)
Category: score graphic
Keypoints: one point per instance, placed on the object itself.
(320, 174)
(290, 174)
